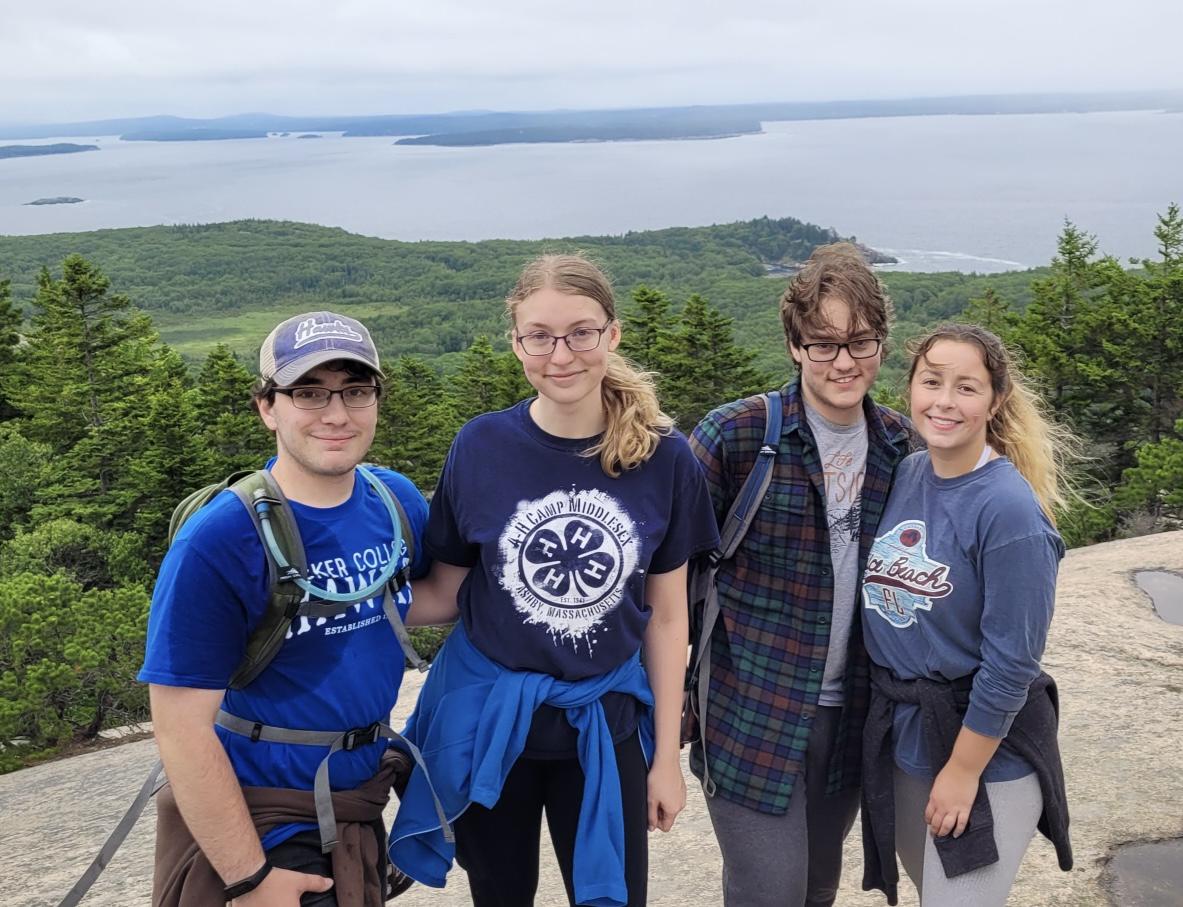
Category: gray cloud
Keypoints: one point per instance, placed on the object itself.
(69, 60)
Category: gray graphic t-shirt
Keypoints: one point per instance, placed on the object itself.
(843, 453)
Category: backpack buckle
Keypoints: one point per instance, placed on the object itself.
(360, 736)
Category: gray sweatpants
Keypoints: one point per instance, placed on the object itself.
(795, 859)
(1016, 807)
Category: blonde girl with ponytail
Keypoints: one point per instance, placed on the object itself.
(564, 525)
(957, 598)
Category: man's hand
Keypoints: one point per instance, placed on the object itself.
(282, 888)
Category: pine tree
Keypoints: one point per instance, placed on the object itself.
(83, 376)
(232, 436)
(992, 312)
(10, 324)
(416, 423)
(168, 464)
(648, 328)
(704, 366)
(487, 380)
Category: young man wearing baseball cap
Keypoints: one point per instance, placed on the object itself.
(244, 796)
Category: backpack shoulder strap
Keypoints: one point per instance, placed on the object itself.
(284, 596)
(747, 502)
(194, 501)
(739, 519)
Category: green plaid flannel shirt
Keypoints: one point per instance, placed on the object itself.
(768, 650)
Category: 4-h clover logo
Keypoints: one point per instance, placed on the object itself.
(570, 561)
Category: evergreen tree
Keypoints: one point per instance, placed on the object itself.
(81, 384)
(416, 423)
(1155, 484)
(232, 437)
(704, 366)
(168, 462)
(992, 312)
(1153, 347)
(22, 463)
(487, 380)
(10, 324)
(648, 329)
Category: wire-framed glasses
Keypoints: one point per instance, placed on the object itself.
(580, 340)
(309, 396)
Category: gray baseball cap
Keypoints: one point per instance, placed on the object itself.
(300, 344)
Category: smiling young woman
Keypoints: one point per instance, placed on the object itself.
(566, 523)
(957, 598)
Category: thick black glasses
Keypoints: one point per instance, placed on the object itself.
(580, 340)
(828, 352)
(309, 396)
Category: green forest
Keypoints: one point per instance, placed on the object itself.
(126, 359)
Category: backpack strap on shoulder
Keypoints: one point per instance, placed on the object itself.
(739, 519)
(284, 595)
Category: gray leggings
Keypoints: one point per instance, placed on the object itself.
(795, 859)
(1016, 807)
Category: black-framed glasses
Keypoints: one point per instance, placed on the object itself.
(580, 340)
(309, 396)
(828, 352)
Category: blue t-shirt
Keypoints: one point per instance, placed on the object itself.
(962, 579)
(330, 674)
(559, 550)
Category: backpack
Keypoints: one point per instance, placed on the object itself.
(703, 594)
(287, 566)
(287, 571)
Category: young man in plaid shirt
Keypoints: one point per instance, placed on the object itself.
(788, 673)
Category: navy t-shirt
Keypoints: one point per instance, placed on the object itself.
(330, 674)
(559, 551)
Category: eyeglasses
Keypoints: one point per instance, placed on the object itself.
(580, 340)
(308, 396)
(828, 352)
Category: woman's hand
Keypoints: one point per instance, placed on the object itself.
(950, 800)
(667, 793)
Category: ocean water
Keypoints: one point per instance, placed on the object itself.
(984, 193)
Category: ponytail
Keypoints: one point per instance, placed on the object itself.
(634, 418)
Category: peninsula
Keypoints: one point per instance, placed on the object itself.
(38, 150)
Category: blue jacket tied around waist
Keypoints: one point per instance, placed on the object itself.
(471, 725)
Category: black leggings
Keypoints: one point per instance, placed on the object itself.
(498, 847)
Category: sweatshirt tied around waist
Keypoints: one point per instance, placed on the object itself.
(471, 724)
(942, 705)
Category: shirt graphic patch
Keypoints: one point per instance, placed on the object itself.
(901, 578)
(565, 559)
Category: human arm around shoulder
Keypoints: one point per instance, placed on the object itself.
(666, 638)
(434, 597)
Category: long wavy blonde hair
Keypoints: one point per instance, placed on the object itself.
(1021, 429)
(635, 421)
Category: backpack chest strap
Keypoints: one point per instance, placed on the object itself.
(336, 741)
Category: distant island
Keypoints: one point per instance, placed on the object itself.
(37, 150)
(496, 126)
(625, 132)
(192, 135)
(56, 200)
(310, 135)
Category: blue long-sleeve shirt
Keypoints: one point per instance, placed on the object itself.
(471, 724)
(962, 579)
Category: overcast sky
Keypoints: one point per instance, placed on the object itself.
(69, 60)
